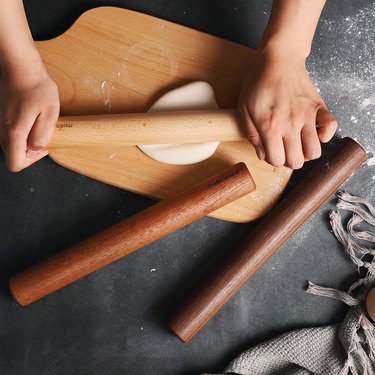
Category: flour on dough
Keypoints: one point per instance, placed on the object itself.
(193, 96)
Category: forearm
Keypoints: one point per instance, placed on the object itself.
(29, 100)
(279, 104)
(17, 49)
(291, 27)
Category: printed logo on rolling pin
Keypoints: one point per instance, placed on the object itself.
(216, 182)
(62, 126)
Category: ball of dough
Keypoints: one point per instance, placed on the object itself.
(193, 96)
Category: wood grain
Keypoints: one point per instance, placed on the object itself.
(148, 128)
(117, 61)
(370, 304)
(282, 221)
(131, 234)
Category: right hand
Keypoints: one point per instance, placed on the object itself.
(281, 109)
(29, 109)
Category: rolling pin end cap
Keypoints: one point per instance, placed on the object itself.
(184, 324)
(14, 293)
(370, 304)
(182, 339)
(180, 335)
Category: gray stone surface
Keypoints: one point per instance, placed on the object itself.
(114, 321)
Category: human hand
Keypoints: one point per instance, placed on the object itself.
(29, 108)
(284, 116)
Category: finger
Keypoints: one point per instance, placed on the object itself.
(42, 130)
(16, 146)
(310, 142)
(326, 124)
(273, 144)
(17, 160)
(33, 156)
(252, 133)
(15, 149)
(293, 150)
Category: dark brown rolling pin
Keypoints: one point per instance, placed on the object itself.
(131, 234)
(329, 172)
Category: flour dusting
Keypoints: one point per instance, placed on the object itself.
(371, 161)
(345, 74)
(106, 92)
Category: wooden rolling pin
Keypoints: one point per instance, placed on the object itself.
(370, 304)
(148, 128)
(329, 172)
(131, 234)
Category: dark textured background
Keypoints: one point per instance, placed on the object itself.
(113, 322)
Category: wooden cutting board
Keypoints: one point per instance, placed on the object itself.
(116, 61)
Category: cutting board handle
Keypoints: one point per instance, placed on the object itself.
(148, 128)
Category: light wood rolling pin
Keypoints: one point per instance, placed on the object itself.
(329, 172)
(131, 234)
(148, 128)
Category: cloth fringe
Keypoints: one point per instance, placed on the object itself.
(339, 349)
(332, 293)
(361, 351)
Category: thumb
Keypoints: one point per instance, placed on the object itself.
(252, 133)
(42, 130)
(326, 124)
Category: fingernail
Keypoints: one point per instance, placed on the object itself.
(31, 154)
(260, 152)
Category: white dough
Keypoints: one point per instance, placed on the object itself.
(193, 96)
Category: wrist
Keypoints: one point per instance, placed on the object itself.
(28, 65)
(278, 49)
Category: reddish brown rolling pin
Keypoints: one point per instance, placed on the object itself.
(329, 172)
(131, 234)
